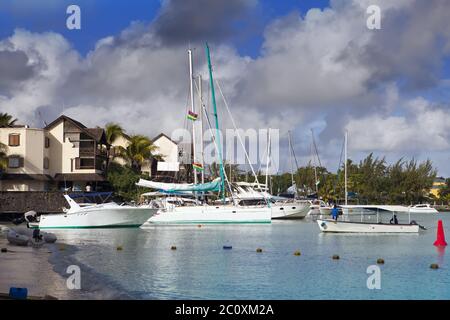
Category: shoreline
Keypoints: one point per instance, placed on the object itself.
(43, 271)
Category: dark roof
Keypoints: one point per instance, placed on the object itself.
(64, 117)
(98, 134)
(23, 176)
(163, 135)
(79, 177)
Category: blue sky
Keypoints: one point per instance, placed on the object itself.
(103, 18)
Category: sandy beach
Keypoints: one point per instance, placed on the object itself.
(27, 267)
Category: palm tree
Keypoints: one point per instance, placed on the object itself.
(139, 149)
(6, 120)
(113, 131)
(3, 157)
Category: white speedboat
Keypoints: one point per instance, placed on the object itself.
(327, 225)
(422, 208)
(105, 215)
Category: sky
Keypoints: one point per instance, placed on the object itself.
(293, 65)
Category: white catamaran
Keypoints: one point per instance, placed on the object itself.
(194, 213)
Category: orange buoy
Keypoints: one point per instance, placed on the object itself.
(440, 237)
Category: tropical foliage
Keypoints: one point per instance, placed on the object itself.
(139, 149)
(6, 120)
(3, 157)
(123, 181)
(113, 131)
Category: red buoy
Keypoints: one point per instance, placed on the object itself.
(440, 239)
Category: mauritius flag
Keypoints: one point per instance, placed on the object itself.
(197, 166)
(192, 116)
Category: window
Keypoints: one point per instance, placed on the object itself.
(15, 162)
(84, 163)
(47, 142)
(14, 140)
(46, 163)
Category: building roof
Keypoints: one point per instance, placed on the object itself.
(163, 135)
(79, 177)
(98, 134)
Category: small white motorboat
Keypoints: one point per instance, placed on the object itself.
(422, 208)
(328, 225)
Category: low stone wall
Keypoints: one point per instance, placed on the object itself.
(18, 202)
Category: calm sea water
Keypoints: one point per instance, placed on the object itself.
(200, 268)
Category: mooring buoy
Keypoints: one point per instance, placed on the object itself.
(119, 248)
(227, 247)
(259, 250)
(380, 261)
(335, 257)
(434, 266)
(297, 253)
(173, 248)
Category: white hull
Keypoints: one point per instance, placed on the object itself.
(211, 215)
(290, 211)
(361, 227)
(115, 217)
(325, 211)
(423, 210)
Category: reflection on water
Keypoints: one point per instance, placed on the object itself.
(200, 269)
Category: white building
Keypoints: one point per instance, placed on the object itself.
(63, 155)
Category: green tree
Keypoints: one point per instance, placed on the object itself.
(123, 181)
(113, 131)
(3, 157)
(7, 120)
(139, 149)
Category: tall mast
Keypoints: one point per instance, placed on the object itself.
(202, 156)
(314, 150)
(213, 98)
(268, 159)
(291, 157)
(191, 86)
(345, 166)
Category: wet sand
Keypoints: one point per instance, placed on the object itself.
(27, 267)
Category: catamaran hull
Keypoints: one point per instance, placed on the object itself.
(293, 211)
(104, 218)
(211, 215)
(360, 227)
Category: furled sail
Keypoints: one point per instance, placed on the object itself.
(180, 187)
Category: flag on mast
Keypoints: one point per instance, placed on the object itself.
(192, 116)
(197, 166)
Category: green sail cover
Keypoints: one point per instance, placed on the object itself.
(213, 186)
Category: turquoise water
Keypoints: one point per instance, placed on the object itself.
(200, 268)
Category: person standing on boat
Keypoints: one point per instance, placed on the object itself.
(394, 220)
(335, 212)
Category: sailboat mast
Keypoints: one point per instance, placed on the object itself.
(213, 98)
(345, 166)
(268, 159)
(202, 157)
(290, 157)
(191, 87)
